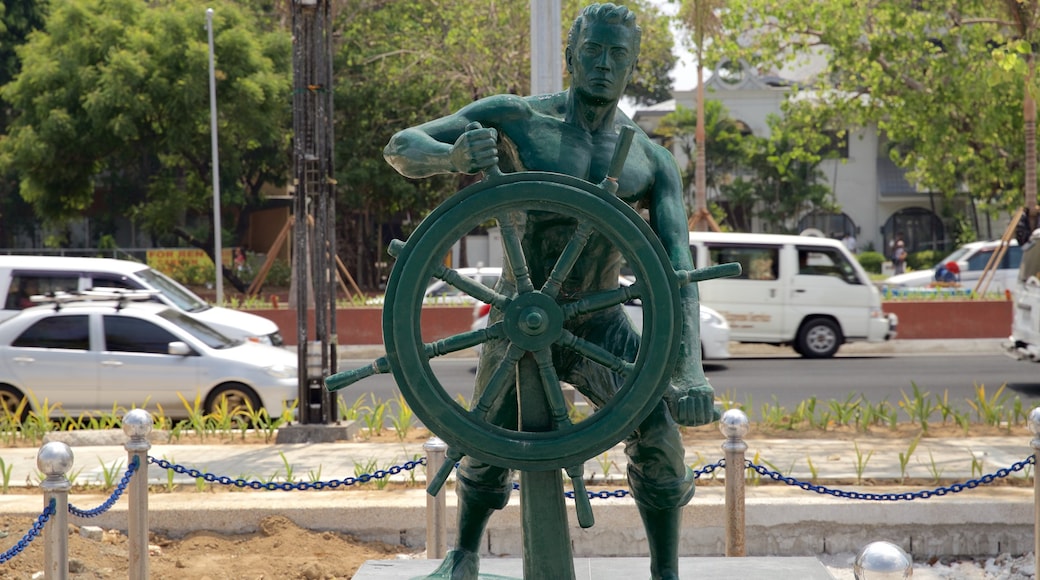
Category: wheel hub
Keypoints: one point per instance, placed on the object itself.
(533, 321)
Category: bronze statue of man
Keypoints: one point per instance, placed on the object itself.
(575, 132)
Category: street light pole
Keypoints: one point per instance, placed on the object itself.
(218, 259)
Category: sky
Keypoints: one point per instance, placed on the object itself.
(684, 75)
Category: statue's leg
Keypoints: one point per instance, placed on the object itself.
(481, 488)
(660, 480)
(661, 484)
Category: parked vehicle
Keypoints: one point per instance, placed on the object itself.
(804, 291)
(970, 261)
(1024, 341)
(714, 328)
(22, 276)
(88, 353)
(440, 292)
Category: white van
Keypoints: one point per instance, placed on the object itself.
(1024, 342)
(804, 291)
(24, 276)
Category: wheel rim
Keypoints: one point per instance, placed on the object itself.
(236, 399)
(9, 402)
(532, 320)
(821, 338)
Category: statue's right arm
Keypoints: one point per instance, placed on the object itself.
(444, 145)
(449, 145)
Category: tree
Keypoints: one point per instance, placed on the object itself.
(920, 73)
(402, 63)
(776, 179)
(700, 18)
(113, 94)
(723, 144)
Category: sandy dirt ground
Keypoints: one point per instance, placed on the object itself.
(280, 550)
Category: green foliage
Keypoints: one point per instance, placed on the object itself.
(192, 273)
(924, 259)
(115, 94)
(871, 261)
(725, 146)
(399, 64)
(947, 101)
(772, 178)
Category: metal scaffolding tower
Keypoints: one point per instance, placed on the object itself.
(314, 242)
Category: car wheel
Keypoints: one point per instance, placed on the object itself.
(237, 395)
(819, 338)
(10, 398)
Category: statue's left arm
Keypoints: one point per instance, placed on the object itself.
(690, 397)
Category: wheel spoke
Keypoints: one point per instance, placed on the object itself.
(551, 385)
(600, 300)
(498, 382)
(471, 287)
(514, 251)
(463, 340)
(567, 259)
(451, 457)
(596, 353)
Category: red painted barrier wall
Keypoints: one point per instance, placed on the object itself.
(952, 319)
(920, 319)
(364, 325)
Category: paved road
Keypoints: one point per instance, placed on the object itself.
(762, 375)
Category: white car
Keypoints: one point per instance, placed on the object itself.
(714, 328)
(22, 276)
(971, 260)
(87, 354)
(440, 292)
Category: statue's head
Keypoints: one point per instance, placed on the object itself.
(602, 48)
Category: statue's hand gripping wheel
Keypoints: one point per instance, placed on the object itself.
(533, 321)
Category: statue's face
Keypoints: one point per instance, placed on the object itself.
(602, 61)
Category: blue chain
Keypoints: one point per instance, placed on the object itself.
(905, 496)
(287, 485)
(112, 499)
(33, 532)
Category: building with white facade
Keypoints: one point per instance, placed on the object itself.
(877, 202)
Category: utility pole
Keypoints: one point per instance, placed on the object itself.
(546, 63)
(314, 243)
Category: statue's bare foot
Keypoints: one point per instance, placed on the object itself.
(457, 565)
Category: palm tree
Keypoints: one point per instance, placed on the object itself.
(1024, 16)
(701, 19)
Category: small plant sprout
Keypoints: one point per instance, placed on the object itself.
(904, 458)
(861, 462)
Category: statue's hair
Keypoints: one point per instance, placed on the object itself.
(606, 13)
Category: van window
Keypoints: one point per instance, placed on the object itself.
(180, 296)
(25, 284)
(113, 281)
(756, 262)
(816, 261)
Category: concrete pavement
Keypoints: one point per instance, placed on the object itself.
(781, 519)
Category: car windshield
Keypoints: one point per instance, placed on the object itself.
(956, 256)
(180, 296)
(207, 334)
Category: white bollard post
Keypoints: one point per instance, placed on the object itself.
(436, 518)
(734, 425)
(882, 561)
(1034, 426)
(55, 460)
(137, 424)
